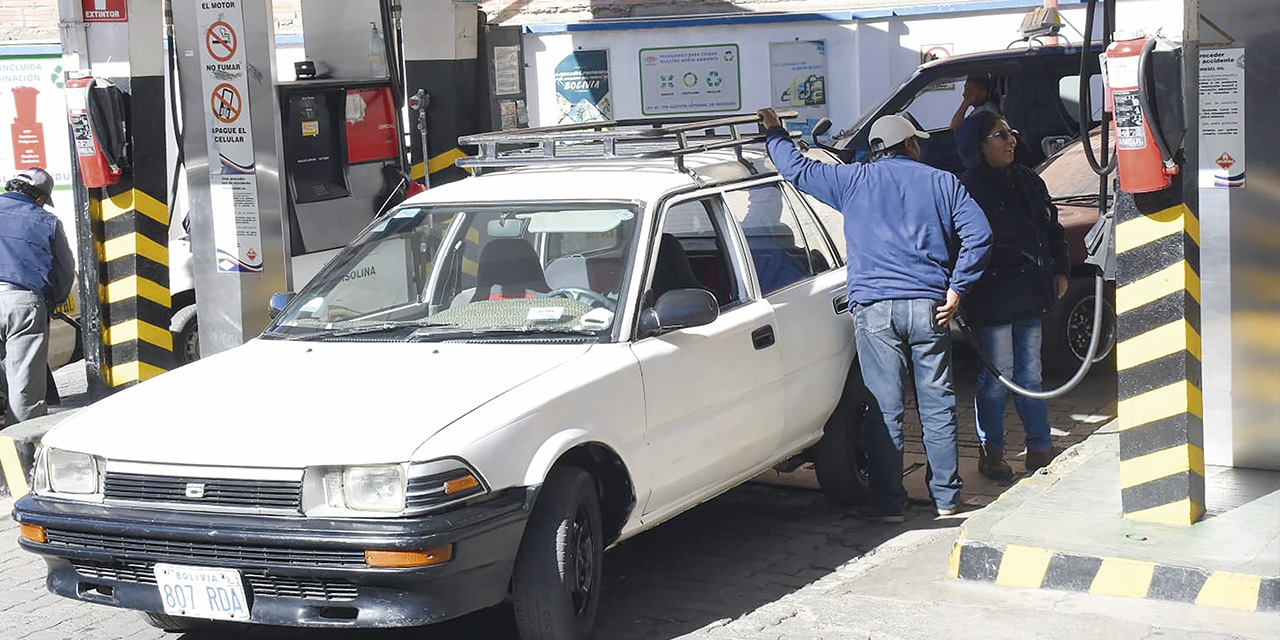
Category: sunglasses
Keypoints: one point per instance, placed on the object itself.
(1005, 134)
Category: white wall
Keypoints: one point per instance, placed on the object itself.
(866, 59)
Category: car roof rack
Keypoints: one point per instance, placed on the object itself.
(611, 140)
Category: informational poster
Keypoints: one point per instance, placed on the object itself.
(798, 72)
(229, 132)
(582, 88)
(506, 70)
(1222, 118)
(34, 108)
(697, 79)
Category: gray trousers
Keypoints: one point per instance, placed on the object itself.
(24, 353)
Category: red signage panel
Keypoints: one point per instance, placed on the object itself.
(371, 125)
(105, 10)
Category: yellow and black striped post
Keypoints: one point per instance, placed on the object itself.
(123, 228)
(1158, 359)
(440, 59)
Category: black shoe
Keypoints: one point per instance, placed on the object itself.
(991, 464)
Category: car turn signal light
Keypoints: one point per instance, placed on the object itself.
(33, 532)
(408, 559)
(458, 485)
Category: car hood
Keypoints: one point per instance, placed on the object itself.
(292, 404)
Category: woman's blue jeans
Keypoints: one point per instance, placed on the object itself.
(1015, 350)
(897, 338)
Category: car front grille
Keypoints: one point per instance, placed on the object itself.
(222, 492)
(205, 553)
(260, 583)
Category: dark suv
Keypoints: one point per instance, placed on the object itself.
(1037, 89)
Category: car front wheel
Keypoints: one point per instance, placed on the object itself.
(555, 588)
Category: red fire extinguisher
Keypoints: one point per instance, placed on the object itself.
(96, 112)
(1143, 165)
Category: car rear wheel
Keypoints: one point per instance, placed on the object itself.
(555, 588)
(1069, 327)
(840, 457)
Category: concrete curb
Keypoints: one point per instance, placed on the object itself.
(18, 452)
(983, 553)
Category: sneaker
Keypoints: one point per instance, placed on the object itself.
(874, 513)
(1038, 459)
(948, 511)
(991, 464)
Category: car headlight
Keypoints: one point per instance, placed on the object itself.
(374, 488)
(71, 472)
(389, 489)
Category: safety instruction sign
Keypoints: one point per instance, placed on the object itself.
(698, 79)
(798, 72)
(1222, 118)
(229, 132)
(105, 10)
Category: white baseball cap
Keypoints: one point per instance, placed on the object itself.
(890, 130)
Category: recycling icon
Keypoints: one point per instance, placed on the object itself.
(667, 81)
(714, 79)
(690, 79)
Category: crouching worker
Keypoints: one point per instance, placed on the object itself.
(917, 243)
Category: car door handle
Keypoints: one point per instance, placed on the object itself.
(762, 338)
(841, 303)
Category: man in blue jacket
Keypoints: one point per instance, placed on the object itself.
(37, 270)
(917, 243)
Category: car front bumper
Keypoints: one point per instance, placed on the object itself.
(297, 571)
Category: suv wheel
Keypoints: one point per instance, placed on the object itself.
(555, 588)
(1069, 327)
(186, 335)
(840, 457)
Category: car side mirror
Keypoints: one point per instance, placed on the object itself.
(277, 303)
(679, 309)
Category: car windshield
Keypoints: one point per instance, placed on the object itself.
(1068, 174)
(439, 272)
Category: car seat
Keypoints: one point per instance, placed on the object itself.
(509, 268)
(672, 270)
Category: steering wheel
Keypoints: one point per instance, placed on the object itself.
(583, 295)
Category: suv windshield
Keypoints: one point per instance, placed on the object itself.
(445, 271)
(1068, 175)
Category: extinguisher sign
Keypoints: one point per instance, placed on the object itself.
(105, 10)
(1222, 139)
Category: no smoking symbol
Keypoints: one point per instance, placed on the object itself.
(226, 103)
(220, 40)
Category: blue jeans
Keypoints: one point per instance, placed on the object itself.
(1015, 350)
(897, 338)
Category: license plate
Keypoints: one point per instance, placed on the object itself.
(202, 592)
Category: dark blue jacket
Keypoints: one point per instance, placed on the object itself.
(34, 253)
(911, 230)
(1029, 245)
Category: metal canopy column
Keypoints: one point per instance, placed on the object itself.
(232, 146)
(123, 228)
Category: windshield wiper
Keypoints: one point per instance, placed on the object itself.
(493, 332)
(390, 325)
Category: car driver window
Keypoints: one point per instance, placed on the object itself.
(777, 244)
(820, 254)
(692, 253)
(934, 105)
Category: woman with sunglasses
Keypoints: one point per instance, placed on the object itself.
(1026, 274)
